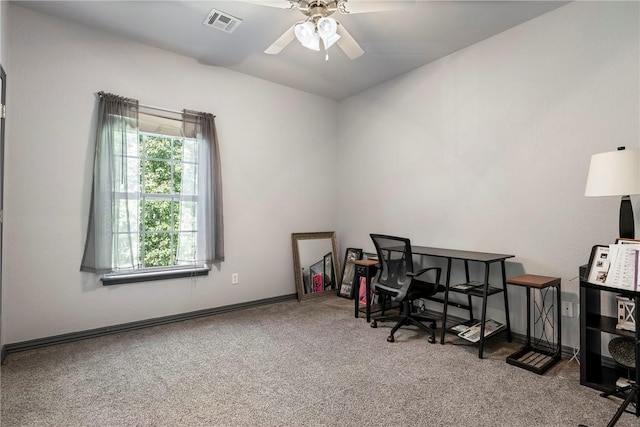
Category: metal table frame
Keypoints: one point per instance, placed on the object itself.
(466, 256)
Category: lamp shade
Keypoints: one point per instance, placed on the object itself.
(614, 173)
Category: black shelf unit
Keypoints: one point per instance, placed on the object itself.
(476, 291)
(597, 371)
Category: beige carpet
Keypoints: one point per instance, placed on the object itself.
(289, 364)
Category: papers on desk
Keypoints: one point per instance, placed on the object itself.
(616, 266)
(472, 333)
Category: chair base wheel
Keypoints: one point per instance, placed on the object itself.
(374, 324)
(432, 339)
(390, 338)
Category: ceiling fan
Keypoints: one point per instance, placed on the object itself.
(320, 26)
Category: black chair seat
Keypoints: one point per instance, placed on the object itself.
(623, 352)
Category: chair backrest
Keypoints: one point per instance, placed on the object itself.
(396, 260)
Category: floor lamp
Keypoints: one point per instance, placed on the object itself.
(616, 173)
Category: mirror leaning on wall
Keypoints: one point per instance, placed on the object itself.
(315, 263)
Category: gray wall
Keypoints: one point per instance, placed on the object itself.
(488, 149)
(278, 177)
(4, 18)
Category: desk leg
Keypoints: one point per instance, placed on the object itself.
(469, 301)
(559, 321)
(446, 301)
(367, 296)
(528, 338)
(484, 309)
(506, 299)
(365, 272)
(357, 290)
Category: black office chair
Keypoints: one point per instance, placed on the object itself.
(396, 280)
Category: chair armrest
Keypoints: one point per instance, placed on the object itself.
(438, 271)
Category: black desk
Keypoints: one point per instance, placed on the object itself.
(468, 256)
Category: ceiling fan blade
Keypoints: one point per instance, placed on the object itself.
(365, 6)
(348, 44)
(282, 42)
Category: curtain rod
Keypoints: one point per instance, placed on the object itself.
(160, 109)
(166, 110)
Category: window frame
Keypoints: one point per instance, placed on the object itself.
(151, 273)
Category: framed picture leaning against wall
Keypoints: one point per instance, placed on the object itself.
(349, 272)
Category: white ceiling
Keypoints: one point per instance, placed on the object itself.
(394, 42)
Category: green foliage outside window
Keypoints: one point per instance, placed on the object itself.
(160, 180)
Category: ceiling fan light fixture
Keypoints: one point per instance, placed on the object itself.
(327, 28)
(330, 41)
(307, 36)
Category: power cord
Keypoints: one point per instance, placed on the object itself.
(576, 349)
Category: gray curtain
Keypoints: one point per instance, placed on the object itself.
(113, 235)
(202, 127)
(112, 230)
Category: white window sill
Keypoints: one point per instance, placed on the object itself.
(146, 276)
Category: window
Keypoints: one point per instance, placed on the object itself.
(156, 208)
(167, 217)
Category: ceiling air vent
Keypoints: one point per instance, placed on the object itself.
(222, 21)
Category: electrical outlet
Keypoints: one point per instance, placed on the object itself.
(567, 309)
(234, 279)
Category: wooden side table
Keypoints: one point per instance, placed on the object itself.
(540, 354)
(364, 268)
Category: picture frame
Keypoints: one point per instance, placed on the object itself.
(626, 241)
(329, 272)
(316, 275)
(349, 272)
(599, 264)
